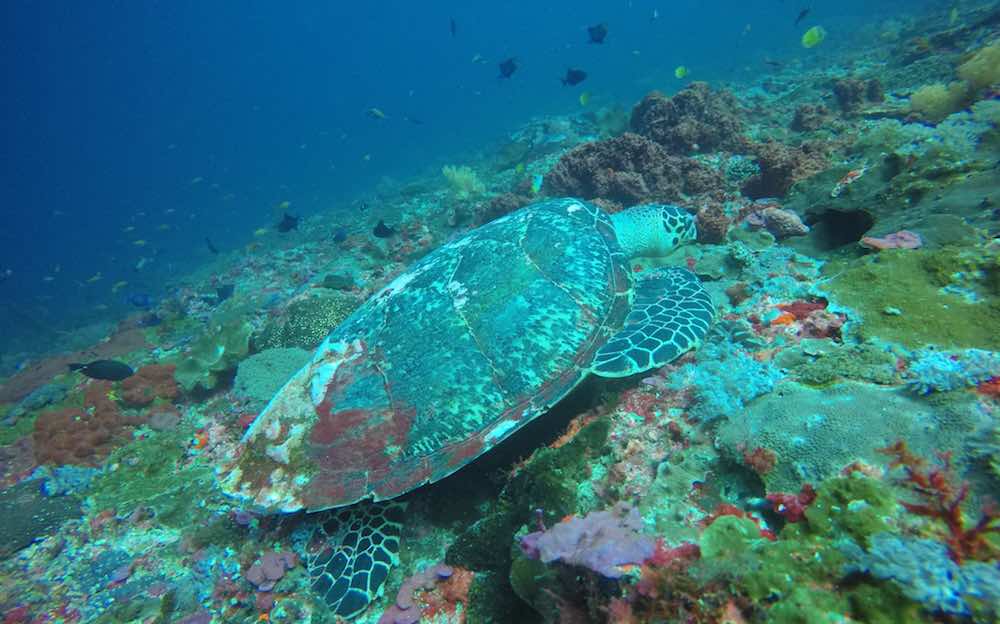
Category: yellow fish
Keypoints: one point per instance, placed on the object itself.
(140, 242)
(680, 72)
(584, 98)
(96, 277)
(260, 232)
(375, 113)
(163, 227)
(813, 37)
(118, 286)
(284, 205)
(519, 168)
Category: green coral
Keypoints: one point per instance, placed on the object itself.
(928, 314)
(214, 356)
(797, 575)
(307, 321)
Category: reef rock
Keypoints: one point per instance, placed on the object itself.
(696, 119)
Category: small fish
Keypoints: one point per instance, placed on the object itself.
(260, 232)
(140, 242)
(508, 67)
(773, 63)
(381, 230)
(452, 27)
(118, 286)
(163, 227)
(287, 224)
(128, 228)
(366, 158)
(479, 59)
(597, 33)
(142, 262)
(802, 15)
(339, 234)
(574, 77)
(813, 37)
(285, 205)
(953, 16)
(108, 370)
(680, 72)
(96, 277)
(375, 113)
(584, 98)
(519, 168)
(197, 180)
(536, 183)
(48, 278)
(413, 120)
(655, 16)
(212, 248)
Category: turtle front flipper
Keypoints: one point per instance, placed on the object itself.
(350, 553)
(670, 315)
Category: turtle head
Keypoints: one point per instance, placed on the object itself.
(653, 229)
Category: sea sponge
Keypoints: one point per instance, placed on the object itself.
(936, 101)
(463, 181)
(983, 69)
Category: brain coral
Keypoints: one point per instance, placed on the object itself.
(816, 432)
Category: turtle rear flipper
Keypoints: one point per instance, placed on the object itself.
(670, 315)
(351, 552)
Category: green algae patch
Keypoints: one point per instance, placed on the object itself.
(899, 297)
(855, 506)
(151, 473)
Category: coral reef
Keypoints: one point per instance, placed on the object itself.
(150, 382)
(261, 375)
(213, 357)
(809, 117)
(463, 181)
(781, 166)
(81, 436)
(696, 119)
(306, 320)
(627, 170)
(854, 93)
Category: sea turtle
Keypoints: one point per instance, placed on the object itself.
(470, 343)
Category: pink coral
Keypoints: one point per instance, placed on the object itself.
(903, 239)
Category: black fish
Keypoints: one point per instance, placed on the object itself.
(288, 223)
(773, 63)
(211, 247)
(381, 230)
(802, 15)
(574, 77)
(508, 67)
(225, 292)
(109, 370)
(597, 33)
(453, 27)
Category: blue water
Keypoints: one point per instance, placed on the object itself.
(187, 119)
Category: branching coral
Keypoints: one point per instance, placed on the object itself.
(941, 498)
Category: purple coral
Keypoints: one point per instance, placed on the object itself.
(268, 571)
(601, 541)
(403, 611)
